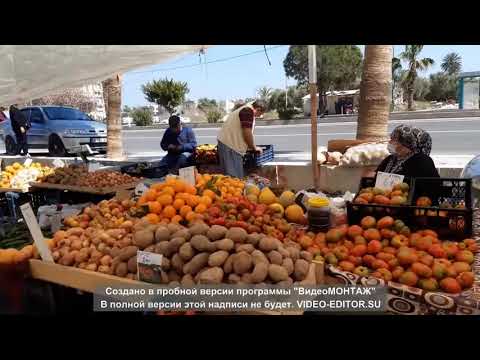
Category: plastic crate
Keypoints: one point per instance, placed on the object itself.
(448, 222)
(252, 160)
(151, 170)
(201, 161)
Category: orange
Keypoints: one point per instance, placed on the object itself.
(165, 199)
(151, 195)
(183, 195)
(193, 201)
(169, 212)
(200, 208)
(206, 200)
(142, 201)
(210, 194)
(207, 177)
(179, 186)
(152, 218)
(157, 186)
(170, 181)
(189, 189)
(198, 178)
(178, 203)
(176, 219)
(191, 216)
(154, 207)
(169, 190)
(185, 210)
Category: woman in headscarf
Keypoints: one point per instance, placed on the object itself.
(410, 148)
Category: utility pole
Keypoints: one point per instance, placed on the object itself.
(312, 80)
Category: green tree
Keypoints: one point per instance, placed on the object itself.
(142, 116)
(293, 104)
(264, 93)
(205, 104)
(396, 75)
(213, 115)
(167, 93)
(442, 87)
(452, 63)
(411, 56)
(422, 88)
(338, 67)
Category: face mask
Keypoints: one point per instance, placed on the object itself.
(391, 148)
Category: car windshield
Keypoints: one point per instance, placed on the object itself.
(60, 113)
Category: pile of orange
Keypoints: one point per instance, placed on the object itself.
(175, 201)
(225, 185)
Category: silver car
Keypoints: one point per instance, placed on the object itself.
(59, 129)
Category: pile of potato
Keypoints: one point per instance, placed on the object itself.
(213, 255)
(196, 255)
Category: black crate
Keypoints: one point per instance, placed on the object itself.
(150, 170)
(454, 191)
(252, 160)
(448, 223)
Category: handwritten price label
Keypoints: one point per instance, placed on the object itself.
(386, 181)
(188, 175)
(148, 258)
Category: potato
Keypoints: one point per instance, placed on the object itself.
(127, 253)
(77, 231)
(199, 229)
(131, 276)
(248, 248)
(162, 234)
(268, 244)
(173, 276)
(233, 279)
(212, 275)
(175, 243)
(56, 255)
(184, 233)
(105, 269)
(196, 263)
(285, 283)
(173, 228)
(246, 279)
(116, 233)
(301, 269)
(225, 244)
(166, 264)
(218, 258)
(85, 243)
(202, 243)
(132, 264)
(114, 252)
(123, 243)
(216, 232)
(287, 263)
(164, 277)
(152, 227)
(82, 265)
(76, 244)
(187, 280)
(275, 257)
(81, 257)
(277, 273)
(238, 235)
(306, 255)
(174, 283)
(294, 244)
(283, 251)
(258, 256)
(177, 263)
(259, 273)
(106, 260)
(253, 239)
(121, 269)
(294, 253)
(91, 267)
(186, 251)
(150, 248)
(67, 259)
(143, 239)
(163, 248)
(228, 265)
(242, 263)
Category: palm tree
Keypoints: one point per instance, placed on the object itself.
(264, 93)
(375, 93)
(410, 55)
(396, 75)
(452, 63)
(113, 104)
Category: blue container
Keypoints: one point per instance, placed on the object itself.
(253, 160)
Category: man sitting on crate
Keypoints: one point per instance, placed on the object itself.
(180, 143)
(236, 137)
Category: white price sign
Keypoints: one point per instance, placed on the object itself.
(149, 258)
(37, 235)
(149, 267)
(386, 181)
(28, 162)
(188, 175)
(93, 166)
(140, 189)
(58, 163)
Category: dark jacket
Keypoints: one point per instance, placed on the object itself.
(419, 165)
(18, 120)
(186, 138)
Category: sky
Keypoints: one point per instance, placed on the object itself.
(239, 70)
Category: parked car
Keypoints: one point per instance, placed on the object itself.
(59, 129)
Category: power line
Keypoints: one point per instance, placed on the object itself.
(209, 62)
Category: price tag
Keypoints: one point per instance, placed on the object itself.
(58, 163)
(386, 181)
(149, 267)
(93, 166)
(37, 235)
(140, 189)
(188, 175)
(56, 222)
(28, 162)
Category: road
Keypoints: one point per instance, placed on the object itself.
(451, 136)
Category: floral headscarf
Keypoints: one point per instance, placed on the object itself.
(417, 140)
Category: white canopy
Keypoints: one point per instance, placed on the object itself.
(31, 71)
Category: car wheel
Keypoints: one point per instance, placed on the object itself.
(56, 147)
(10, 146)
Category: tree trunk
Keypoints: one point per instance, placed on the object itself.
(375, 93)
(114, 119)
(410, 101)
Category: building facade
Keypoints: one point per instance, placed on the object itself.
(95, 92)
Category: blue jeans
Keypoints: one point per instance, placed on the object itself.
(230, 161)
(177, 161)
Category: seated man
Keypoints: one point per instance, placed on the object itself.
(180, 143)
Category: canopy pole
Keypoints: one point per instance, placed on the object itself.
(312, 80)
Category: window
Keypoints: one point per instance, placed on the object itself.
(61, 113)
(26, 112)
(36, 116)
